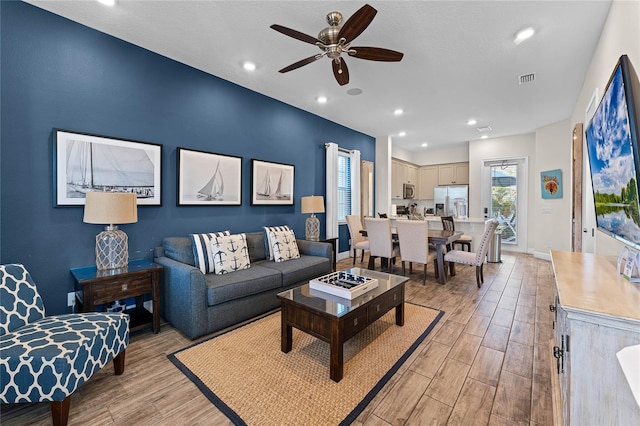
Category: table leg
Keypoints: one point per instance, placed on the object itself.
(336, 364)
(400, 314)
(286, 334)
(442, 275)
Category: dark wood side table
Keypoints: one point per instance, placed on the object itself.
(139, 278)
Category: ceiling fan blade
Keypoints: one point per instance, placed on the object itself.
(295, 34)
(376, 54)
(301, 63)
(357, 23)
(340, 71)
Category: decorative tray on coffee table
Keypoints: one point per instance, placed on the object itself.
(343, 284)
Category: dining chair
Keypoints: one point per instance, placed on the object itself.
(380, 242)
(475, 259)
(358, 241)
(464, 240)
(414, 246)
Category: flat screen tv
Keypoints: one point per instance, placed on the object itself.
(612, 143)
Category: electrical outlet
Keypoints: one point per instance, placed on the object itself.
(71, 298)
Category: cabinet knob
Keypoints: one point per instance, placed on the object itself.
(552, 308)
(124, 287)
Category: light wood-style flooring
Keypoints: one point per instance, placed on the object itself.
(487, 362)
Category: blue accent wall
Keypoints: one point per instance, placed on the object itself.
(60, 74)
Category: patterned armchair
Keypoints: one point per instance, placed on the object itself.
(45, 359)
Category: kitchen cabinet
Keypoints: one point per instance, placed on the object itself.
(402, 173)
(428, 181)
(596, 313)
(453, 174)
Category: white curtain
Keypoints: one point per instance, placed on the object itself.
(331, 190)
(354, 157)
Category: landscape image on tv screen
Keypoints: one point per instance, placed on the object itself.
(613, 166)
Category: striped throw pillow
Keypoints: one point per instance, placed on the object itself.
(268, 230)
(202, 251)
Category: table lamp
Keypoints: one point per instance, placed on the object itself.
(312, 204)
(111, 209)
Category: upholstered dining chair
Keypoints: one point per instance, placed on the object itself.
(45, 359)
(464, 240)
(358, 241)
(475, 259)
(380, 243)
(414, 246)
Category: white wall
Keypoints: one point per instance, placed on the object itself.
(551, 218)
(382, 172)
(620, 35)
(457, 153)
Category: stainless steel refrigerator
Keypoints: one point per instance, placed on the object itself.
(444, 198)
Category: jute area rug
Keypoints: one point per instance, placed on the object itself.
(246, 375)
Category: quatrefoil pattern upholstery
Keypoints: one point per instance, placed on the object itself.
(48, 358)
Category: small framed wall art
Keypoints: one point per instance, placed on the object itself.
(551, 184)
(271, 183)
(208, 179)
(85, 162)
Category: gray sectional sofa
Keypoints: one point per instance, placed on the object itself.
(199, 304)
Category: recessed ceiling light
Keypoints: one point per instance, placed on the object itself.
(322, 99)
(403, 133)
(523, 35)
(484, 137)
(249, 66)
(424, 144)
(472, 121)
(398, 111)
(107, 2)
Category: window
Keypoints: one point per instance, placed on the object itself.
(344, 186)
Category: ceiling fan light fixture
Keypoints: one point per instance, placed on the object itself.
(523, 35)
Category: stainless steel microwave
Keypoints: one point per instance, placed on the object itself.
(408, 191)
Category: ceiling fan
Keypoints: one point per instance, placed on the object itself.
(336, 39)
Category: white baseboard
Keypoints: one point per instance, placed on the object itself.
(343, 255)
(541, 255)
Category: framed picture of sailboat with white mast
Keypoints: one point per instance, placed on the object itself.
(85, 162)
(271, 183)
(206, 178)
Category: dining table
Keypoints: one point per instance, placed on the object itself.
(441, 238)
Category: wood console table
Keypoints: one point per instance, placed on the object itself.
(140, 277)
(596, 314)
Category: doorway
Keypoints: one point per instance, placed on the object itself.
(366, 189)
(504, 190)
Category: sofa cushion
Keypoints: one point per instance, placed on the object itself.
(230, 253)
(202, 252)
(301, 269)
(223, 288)
(283, 245)
(268, 230)
(256, 246)
(179, 249)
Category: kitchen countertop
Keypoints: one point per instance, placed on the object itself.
(432, 218)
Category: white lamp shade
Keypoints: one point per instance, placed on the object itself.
(313, 204)
(110, 208)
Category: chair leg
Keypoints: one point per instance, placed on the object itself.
(478, 276)
(482, 272)
(60, 411)
(403, 270)
(371, 263)
(424, 276)
(118, 363)
(354, 256)
(435, 269)
(410, 267)
(362, 257)
(390, 261)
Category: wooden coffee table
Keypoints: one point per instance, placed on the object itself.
(336, 320)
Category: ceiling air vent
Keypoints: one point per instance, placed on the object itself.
(527, 78)
(484, 129)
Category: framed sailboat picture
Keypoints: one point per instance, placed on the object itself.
(85, 162)
(205, 178)
(271, 183)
